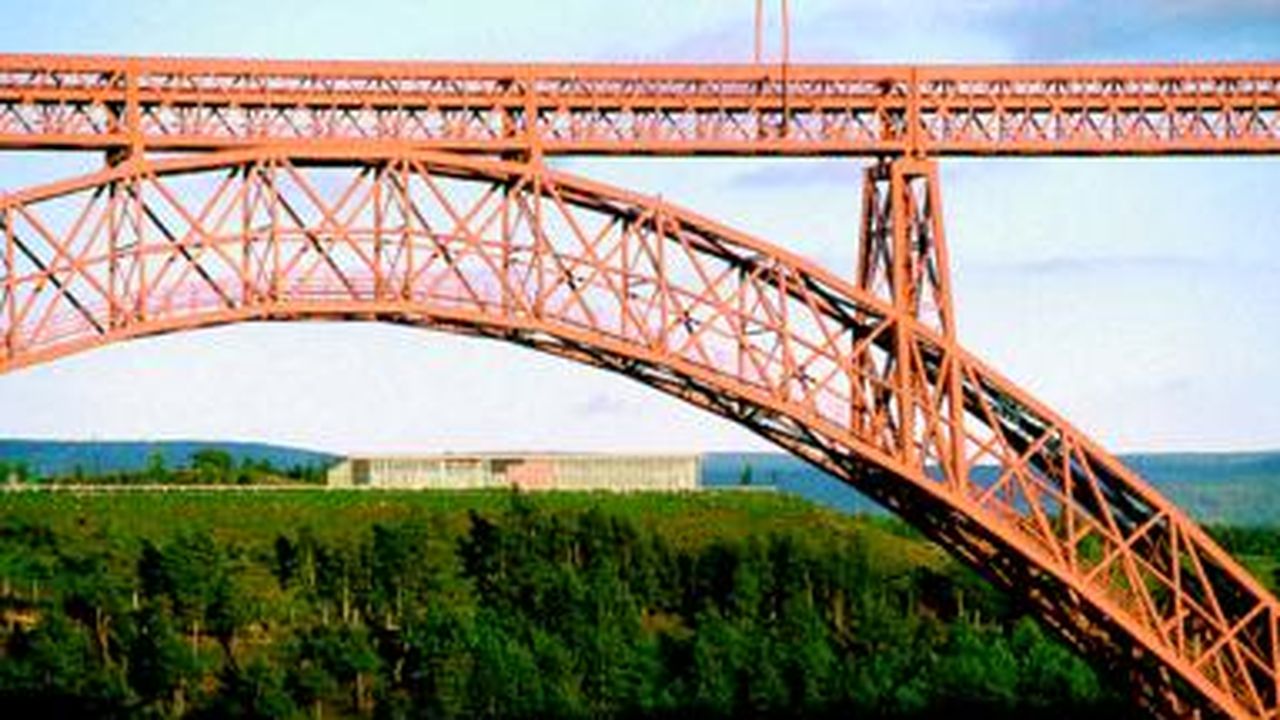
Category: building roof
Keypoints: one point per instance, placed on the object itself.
(516, 455)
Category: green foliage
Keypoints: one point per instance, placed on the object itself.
(212, 467)
(499, 605)
(156, 473)
(160, 666)
(205, 466)
(15, 472)
(253, 691)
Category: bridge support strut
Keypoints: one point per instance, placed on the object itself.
(902, 256)
(902, 259)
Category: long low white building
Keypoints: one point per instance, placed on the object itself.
(548, 471)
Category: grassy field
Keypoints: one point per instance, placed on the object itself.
(689, 520)
(685, 519)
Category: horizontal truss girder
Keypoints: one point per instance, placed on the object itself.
(166, 104)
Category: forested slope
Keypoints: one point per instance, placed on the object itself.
(327, 604)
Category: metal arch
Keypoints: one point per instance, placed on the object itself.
(882, 399)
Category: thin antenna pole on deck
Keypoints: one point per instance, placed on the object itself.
(759, 30)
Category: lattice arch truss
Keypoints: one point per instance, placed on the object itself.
(733, 325)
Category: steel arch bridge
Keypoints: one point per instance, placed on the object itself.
(417, 194)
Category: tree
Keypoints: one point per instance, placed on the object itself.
(347, 654)
(156, 473)
(153, 576)
(51, 671)
(248, 472)
(717, 657)
(1051, 676)
(977, 669)
(212, 466)
(342, 577)
(228, 610)
(256, 690)
(504, 679)
(481, 552)
(186, 573)
(93, 593)
(393, 563)
(311, 684)
(439, 663)
(159, 666)
(287, 561)
(15, 472)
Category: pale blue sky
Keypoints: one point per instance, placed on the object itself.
(1138, 297)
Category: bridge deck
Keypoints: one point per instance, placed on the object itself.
(86, 102)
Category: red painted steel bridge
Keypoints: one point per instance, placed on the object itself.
(417, 194)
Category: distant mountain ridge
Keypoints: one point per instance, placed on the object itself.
(93, 457)
(1238, 488)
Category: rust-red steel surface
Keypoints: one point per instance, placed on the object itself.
(185, 104)
(358, 191)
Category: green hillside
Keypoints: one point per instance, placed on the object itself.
(313, 603)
